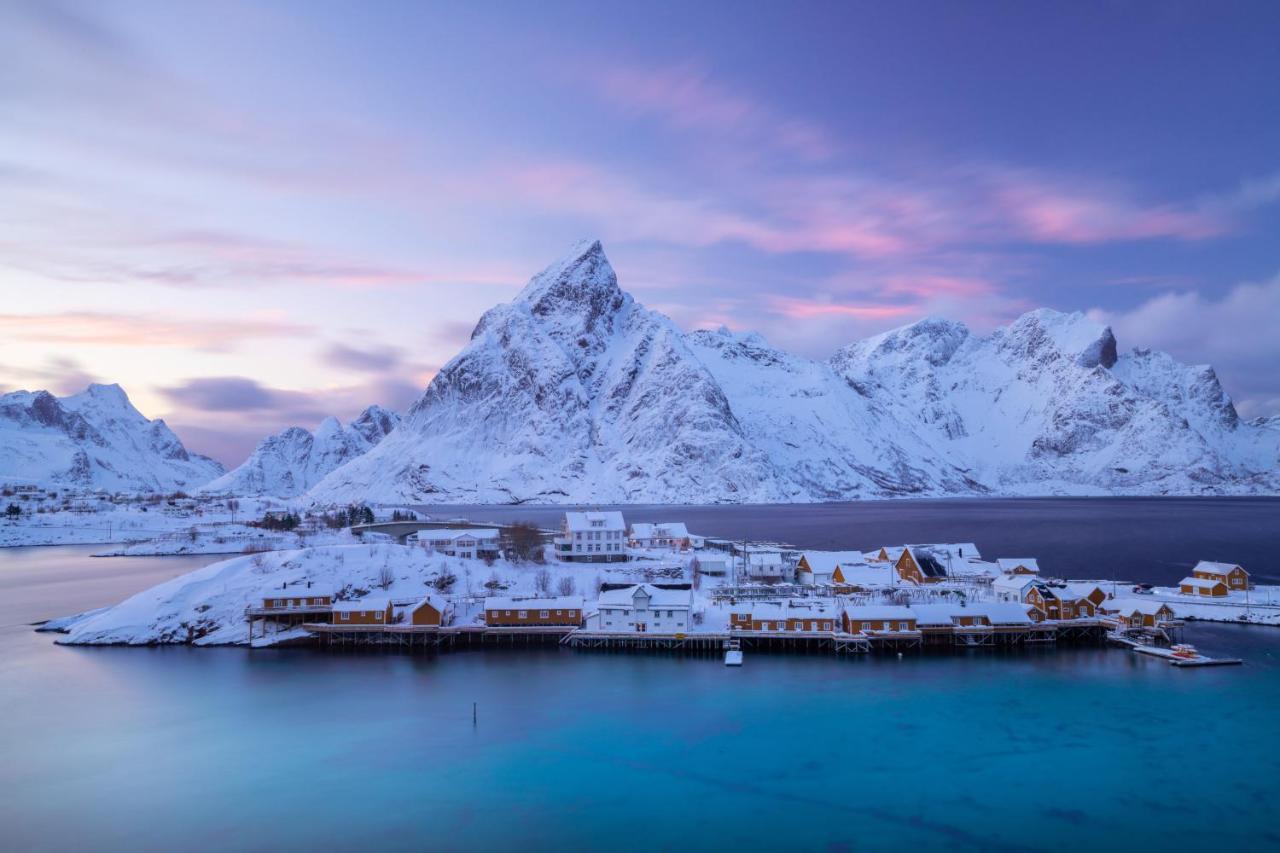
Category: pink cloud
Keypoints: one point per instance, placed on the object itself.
(804, 309)
(1045, 210)
(136, 330)
(686, 97)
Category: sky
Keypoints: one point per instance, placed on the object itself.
(254, 215)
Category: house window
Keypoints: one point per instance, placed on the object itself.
(346, 617)
(543, 614)
(524, 614)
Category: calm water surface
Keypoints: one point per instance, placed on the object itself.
(151, 749)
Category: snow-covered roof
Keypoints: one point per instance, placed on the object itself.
(1001, 612)
(1083, 589)
(863, 612)
(609, 520)
(434, 600)
(1216, 568)
(660, 530)
(665, 598)
(974, 568)
(881, 574)
(449, 534)
(1008, 564)
(361, 605)
(563, 602)
(1145, 606)
(825, 562)
(1013, 583)
(936, 614)
(798, 608)
(316, 590)
(1200, 583)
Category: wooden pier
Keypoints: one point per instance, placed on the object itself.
(431, 638)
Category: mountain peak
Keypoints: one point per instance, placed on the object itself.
(581, 280)
(1073, 334)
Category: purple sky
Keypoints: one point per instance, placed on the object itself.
(253, 215)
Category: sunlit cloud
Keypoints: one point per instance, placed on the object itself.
(140, 330)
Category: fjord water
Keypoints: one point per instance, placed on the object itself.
(157, 748)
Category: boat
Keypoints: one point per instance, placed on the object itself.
(733, 653)
(1185, 654)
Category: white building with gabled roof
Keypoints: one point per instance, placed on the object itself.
(464, 542)
(665, 534)
(1013, 588)
(592, 537)
(645, 608)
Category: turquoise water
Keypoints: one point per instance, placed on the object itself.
(163, 748)
(130, 749)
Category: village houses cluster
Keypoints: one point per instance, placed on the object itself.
(905, 591)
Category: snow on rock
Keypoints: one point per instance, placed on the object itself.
(570, 392)
(207, 606)
(294, 460)
(573, 392)
(93, 440)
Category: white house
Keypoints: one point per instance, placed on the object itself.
(1013, 587)
(715, 566)
(465, 542)
(645, 608)
(668, 534)
(592, 537)
(764, 564)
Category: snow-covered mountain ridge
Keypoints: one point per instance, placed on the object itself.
(94, 439)
(290, 462)
(573, 392)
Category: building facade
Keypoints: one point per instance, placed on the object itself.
(592, 537)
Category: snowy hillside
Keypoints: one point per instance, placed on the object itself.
(292, 461)
(573, 392)
(94, 439)
(207, 606)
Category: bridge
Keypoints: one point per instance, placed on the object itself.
(400, 530)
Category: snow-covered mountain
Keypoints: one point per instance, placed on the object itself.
(294, 460)
(94, 439)
(573, 392)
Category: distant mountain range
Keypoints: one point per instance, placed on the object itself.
(95, 439)
(291, 462)
(575, 393)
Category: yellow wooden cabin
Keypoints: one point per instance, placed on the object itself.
(428, 612)
(1203, 587)
(1232, 576)
(878, 619)
(1139, 613)
(299, 596)
(366, 611)
(801, 616)
(563, 612)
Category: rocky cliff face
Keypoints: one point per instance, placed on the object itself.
(294, 460)
(95, 439)
(572, 392)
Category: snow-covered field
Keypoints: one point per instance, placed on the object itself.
(1260, 606)
(102, 520)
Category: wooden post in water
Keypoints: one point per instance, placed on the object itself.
(473, 714)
